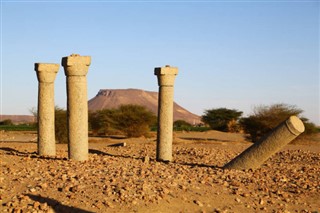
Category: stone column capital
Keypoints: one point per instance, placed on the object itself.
(76, 65)
(295, 125)
(46, 73)
(166, 75)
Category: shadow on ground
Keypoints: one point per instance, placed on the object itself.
(10, 151)
(56, 205)
(98, 152)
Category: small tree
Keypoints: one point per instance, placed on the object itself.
(220, 118)
(266, 118)
(34, 111)
(133, 120)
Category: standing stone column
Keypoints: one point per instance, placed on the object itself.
(46, 74)
(76, 68)
(166, 76)
(260, 151)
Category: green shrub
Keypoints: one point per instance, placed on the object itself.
(130, 120)
(221, 118)
(181, 125)
(60, 125)
(101, 122)
(133, 120)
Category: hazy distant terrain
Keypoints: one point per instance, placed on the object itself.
(18, 118)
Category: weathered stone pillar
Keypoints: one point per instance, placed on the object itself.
(46, 74)
(166, 76)
(76, 68)
(260, 151)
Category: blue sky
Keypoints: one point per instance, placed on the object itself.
(233, 54)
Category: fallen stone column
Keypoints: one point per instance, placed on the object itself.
(76, 68)
(259, 152)
(46, 74)
(166, 76)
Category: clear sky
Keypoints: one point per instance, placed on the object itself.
(233, 54)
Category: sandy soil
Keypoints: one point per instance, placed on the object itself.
(128, 179)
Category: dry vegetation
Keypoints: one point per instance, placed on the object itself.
(128, 179)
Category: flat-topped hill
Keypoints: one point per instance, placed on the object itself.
(113, 98)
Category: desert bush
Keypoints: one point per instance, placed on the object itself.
(266, 118)
(234, 126)
(133, 120)
(6, 122)
(102, 121)
(310, 128)
(60, 125)
(181, 125)
(221, 119)
(130, 120)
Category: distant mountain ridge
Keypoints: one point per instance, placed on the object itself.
(113, 98)
(17, 119)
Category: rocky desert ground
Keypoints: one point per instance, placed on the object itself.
(128, 179)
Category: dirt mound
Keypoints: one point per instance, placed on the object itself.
(113, 98)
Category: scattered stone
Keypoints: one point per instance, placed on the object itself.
(36, 205)
(43, 185)
(198, 203)
(124, 183)
(32, 190)
(261, 201)
(146, 159)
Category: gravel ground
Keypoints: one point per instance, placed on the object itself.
(128, 179)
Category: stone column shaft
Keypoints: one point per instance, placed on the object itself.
(76, 67)
(77, 111)
(46, 74)
(259, 152)
(166, 76)
(165, 123)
